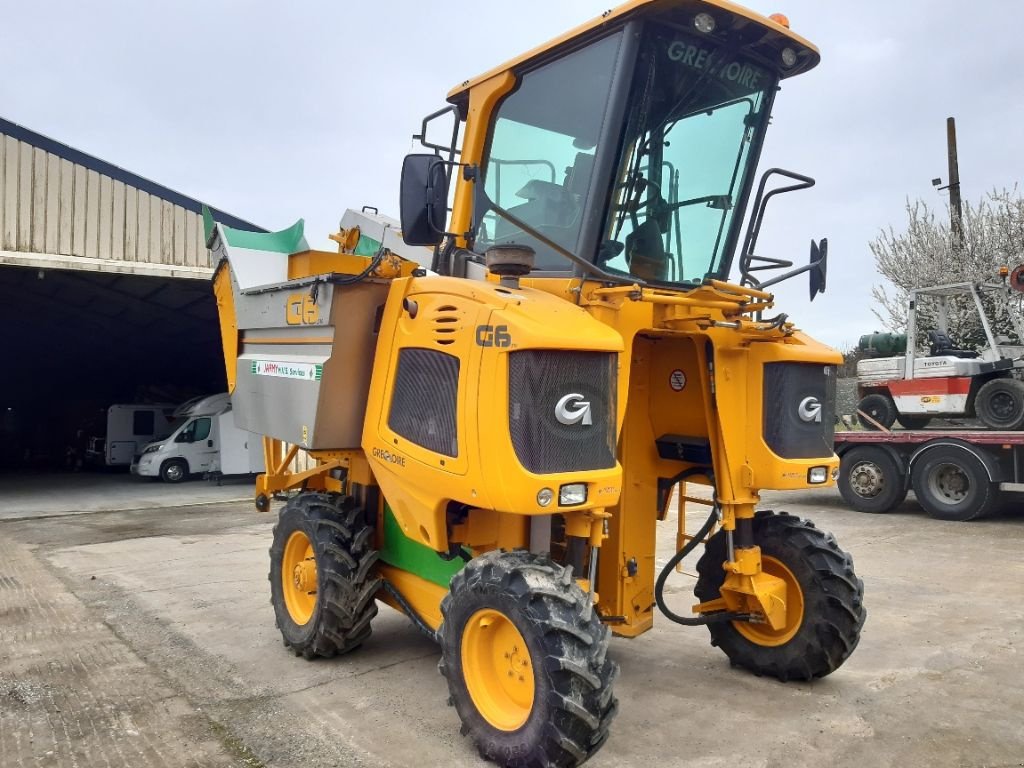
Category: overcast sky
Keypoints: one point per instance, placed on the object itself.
(276, 114)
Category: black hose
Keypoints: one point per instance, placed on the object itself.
(416, 619)
(659, 586)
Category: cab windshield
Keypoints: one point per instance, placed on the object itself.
(694, 124)
(683, 142)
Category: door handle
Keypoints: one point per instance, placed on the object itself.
(209, 443)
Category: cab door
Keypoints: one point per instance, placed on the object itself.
(202, 449)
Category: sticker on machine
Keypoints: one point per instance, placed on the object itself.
(677, 380)
(303, 371)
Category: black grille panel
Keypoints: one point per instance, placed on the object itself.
(425, 398)
(793, 429)
(538, 380)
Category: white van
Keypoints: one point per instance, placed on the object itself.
(208, 442)
(129, 427)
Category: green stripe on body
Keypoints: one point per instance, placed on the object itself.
(402, 552)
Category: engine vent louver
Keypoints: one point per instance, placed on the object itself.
(446, 324)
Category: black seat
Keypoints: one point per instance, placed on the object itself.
(942, 346)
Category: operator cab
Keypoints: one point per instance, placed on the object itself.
(628, 149)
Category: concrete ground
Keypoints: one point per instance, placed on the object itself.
(74, 493)
(145, 638)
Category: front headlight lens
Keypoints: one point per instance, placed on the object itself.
(572, 494)
(788, 57)
(817, 475)
(544, 496)
(152, 449)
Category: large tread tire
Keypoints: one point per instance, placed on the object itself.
(1000, 404)
(573, 703)
(953, 485)
(879, 407)
(833, 597)
(347, 581)
(870, 480)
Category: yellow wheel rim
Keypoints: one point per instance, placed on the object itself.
(763, 634)
(498, 670)
(298, 578)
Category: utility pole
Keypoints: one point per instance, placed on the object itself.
(956, 213)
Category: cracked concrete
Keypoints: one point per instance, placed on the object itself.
(146, 637)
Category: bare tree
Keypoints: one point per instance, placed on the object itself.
(923, 255)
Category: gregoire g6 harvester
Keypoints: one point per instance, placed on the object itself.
(501, 401)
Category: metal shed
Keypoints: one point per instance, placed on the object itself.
(104, 294)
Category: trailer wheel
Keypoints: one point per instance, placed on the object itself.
(821, 583)
(174, 470)
(879, 407)
(914, 422)
(1000, 404)
(870, 480)
(322, 582)
(952, 484)
(526, 659)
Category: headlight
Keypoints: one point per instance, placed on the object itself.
(817, 475)
(544, 496)
(152, 449)
(704, 22)
(572, 494)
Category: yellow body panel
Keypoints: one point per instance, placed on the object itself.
(228, 324)
(659, 339)
(418, 483)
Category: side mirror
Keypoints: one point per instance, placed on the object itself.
(424, 199)
(818, 267)
(182, 438)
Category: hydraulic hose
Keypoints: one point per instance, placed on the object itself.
(659, 586)
(416, 619)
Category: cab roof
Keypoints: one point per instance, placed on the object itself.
(458, 93)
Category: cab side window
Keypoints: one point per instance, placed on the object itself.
(201, 429)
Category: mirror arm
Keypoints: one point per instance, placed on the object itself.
(787, 275)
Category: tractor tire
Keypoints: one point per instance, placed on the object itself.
(826, 623)
(174, 471)
(322, 578)
(914, 422)
(870, 480)
(953, 485)
(1000, 404)
(879, 407)
(526, 660)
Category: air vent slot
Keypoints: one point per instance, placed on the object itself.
(446, 319)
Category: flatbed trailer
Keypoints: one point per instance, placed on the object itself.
(956, 474)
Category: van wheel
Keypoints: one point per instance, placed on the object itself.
(174, 470)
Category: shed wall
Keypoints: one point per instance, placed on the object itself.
(49, 205)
